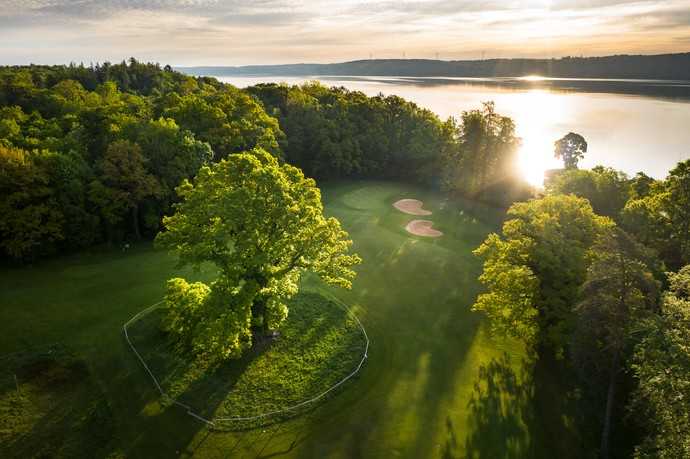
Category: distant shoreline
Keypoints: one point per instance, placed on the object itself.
(626, 67)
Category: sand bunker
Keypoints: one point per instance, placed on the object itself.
(411, 206)
(422, 228)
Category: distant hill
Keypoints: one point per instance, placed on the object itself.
(660, 66)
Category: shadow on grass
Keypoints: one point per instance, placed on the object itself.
(318, 346)
(50, 406)
(518, 413)
(500, 413)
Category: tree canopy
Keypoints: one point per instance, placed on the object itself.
(662, 369)
(483, 165)
(606, 189)
(618, 293)
(533, 270)
(661, 218)
(571, 148)
(261, 224)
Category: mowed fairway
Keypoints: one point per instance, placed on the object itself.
(436, 384)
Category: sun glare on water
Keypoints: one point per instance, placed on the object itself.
(536, 153)
(532, 78)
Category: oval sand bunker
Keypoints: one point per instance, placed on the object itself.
(411, 206)
(422, 228)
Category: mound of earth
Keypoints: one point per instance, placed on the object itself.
(411, 206)
(422, 228)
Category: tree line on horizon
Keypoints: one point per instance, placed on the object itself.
(675, 66)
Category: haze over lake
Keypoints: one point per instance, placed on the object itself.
(631, 125)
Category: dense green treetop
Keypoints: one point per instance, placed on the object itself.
(30, 216)
(606, 189)
(533, 270)
(262, 224)
(618, 293)
(334, 132)
(662, 370)
(71, 122)
(661, 218)
(571, 148)
(484, 161)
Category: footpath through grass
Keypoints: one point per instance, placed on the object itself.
(435, 385)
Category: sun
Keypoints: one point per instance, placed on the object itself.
(534, 159)
(535, 156)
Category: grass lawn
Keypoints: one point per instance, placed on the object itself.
(435, 384)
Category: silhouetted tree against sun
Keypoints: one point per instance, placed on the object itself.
(572, 148)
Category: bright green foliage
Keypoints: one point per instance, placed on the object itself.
(662, 369)
(484, 159)
(641, 185)
(618, 293)
(534, 270)
(572, 148)
(210, 321)
(78, 114)
(228, 119)
(174, 153)
(261, 223)
(31, 220)
(606, 189)
(662, 218)
(512, 287)
(336, 133)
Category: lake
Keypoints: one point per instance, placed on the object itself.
(631, 125)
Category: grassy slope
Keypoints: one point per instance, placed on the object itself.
(436, 385)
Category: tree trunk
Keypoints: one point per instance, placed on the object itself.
(606, 433)
(135, 222)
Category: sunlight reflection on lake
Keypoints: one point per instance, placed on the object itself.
(631, 132)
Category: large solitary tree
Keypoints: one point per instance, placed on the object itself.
(572, 148)
(261, 224)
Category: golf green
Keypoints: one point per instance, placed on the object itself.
(436, 384)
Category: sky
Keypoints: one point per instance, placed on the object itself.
(234, 32)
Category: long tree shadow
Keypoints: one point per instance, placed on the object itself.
(521, 413)
(210, 392)
(500, 413)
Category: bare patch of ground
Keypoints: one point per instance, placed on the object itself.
(411, 206)
(422, 228)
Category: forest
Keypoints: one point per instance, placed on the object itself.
(93, 155)
(591, 272)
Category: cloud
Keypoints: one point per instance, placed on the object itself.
(276, 31)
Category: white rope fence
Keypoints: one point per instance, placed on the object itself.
(212, 422)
